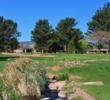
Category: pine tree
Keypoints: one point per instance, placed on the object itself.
(100, 20)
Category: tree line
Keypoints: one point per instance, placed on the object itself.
(60, 38)
(98, 32)
(65, 36)
(8, 34)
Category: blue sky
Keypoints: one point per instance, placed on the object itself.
(27, 12)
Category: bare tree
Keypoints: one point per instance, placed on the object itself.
(101, 39)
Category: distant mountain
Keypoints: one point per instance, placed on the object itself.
(27, 44)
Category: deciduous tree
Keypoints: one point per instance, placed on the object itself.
(83, 44)
(101, 39)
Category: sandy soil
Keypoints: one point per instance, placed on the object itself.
(75, 77)
(27, 55)
(56, 68)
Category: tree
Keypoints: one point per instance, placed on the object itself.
(101, 20)
(101, 39)
(42, 34)
(35, 46)
(55, 44)
(77, 36)
(66, 31)
(12, 43)
(8, 34)
(99, 27)
(83, 44)
(71, 47)
(2, 38)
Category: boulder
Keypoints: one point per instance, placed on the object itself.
(62, 94)
(57, 85)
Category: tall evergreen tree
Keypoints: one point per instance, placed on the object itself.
(41, 34)
(14, 41)
(55, 45)
(2, 38)
(66, 31)
(100, 20)
(8, 32)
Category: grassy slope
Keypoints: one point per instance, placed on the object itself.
(95, 71)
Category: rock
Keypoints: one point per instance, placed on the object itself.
(51, 76)
(1, 75)
(62, 94)
(45, 98)
(92, 83)
(52, 81)
(71, 84)
(80, 92)
(57, 85)
(74, 77)
(55, 68)
(5, 96)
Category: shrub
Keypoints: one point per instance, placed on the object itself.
(13, 96)
(63, 63)
(62, 77)
(25, 76)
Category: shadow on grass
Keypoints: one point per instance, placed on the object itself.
(8, 57)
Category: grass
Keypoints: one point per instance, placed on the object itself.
(72, 57)
(93, 71)
(77, 98)
(4, 59)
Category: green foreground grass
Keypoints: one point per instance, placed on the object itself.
(93, 71)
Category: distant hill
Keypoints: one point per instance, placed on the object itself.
(27, 44)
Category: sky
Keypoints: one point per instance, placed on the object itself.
(27, 12)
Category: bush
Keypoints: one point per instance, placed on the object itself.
(25, 76)
(62, 77)
(13, 96)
